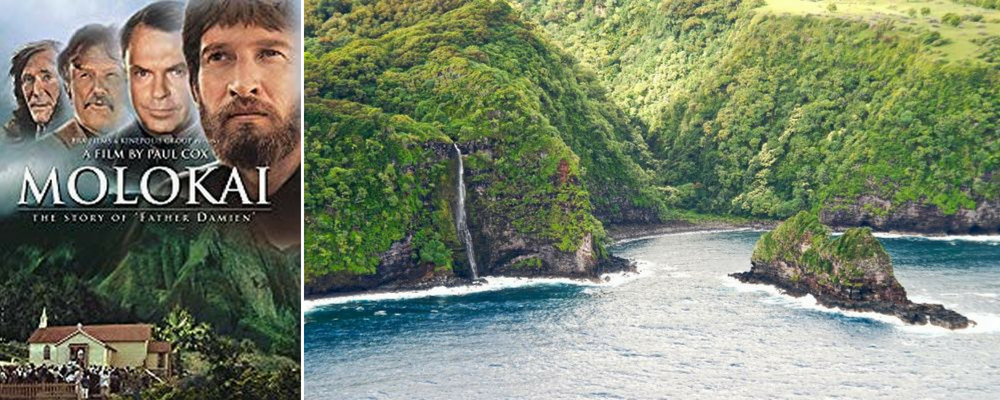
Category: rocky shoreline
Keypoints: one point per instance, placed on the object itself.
(457, 281)
(907, 311)
(912, 218)
(429, 280)
(398, 273)
(620, 233)
(849, 272)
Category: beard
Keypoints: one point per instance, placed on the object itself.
(246, 145)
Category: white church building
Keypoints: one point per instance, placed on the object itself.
(118, 345)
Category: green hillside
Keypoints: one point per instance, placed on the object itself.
(92, 274)
(245, 290)
(390, 85)
(766, 109)
(574, 115)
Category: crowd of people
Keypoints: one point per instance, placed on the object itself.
(91, 382)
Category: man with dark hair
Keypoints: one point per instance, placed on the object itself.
(244, 57)
(166, 121)
(36, 90)
(91, 69)
(157, 73)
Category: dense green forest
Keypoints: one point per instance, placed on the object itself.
(389, 82)
(245, 296)
(763, 113)
(582, 113)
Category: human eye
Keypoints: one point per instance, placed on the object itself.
(218, 56)
(270, 54)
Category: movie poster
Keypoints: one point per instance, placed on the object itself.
(150, 194)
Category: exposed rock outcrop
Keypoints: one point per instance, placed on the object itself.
(911, 217)
(398, 269)
(851, 272)
(500, 249)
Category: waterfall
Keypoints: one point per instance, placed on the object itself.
(463, 229)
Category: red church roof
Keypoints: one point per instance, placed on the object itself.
(104, 333)
(158, 347)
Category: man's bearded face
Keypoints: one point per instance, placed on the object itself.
(248, 94)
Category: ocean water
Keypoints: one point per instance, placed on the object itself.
(680, 329)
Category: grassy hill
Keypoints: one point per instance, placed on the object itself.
(959, 39)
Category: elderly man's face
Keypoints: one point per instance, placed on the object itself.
(158, 80)
(248, 94)
(40, 87)
(97, 85)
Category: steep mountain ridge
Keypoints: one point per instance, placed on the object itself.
(545, 152)
(577, 114)
(762, 113)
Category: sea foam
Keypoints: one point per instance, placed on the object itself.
(985, 322)
(492, 283)
(945, 238)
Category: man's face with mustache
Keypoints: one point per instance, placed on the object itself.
(40, 86)
(248, 94)
(96, 86)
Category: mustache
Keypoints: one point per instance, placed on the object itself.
(245, 105)
(99, 100)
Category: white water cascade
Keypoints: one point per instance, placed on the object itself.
(463, 229)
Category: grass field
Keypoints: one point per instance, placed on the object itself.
(906, 16)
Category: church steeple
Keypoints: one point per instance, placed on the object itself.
(43, 322)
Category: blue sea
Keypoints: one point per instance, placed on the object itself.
(679, 329)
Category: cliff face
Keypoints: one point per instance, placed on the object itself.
(764, 109)
(97, 273)
(913, 217)
(712, 106)
(545, 154)
(852, 271)
(223, 275)
(501, 248)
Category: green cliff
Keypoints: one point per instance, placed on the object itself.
(847, 260)
(110, 273)
(873, 113)
(576, 115)
(391, 85)
(851, 271)
(244, 289)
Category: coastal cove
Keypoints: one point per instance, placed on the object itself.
(680, 327)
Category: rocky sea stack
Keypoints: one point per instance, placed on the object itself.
(850, 272)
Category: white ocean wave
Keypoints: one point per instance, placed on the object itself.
(492, 283)
(985, 322)
(991, 239)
